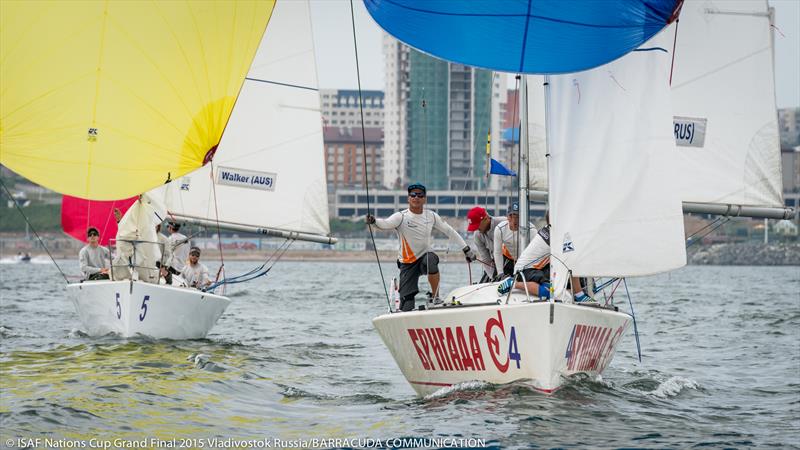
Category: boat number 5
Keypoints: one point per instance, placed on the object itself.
(144, 308)
(119, 308)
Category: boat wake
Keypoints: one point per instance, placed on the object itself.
(291, 392)
(467, 386)
(203, 361)
(674, 386)
(659, 385)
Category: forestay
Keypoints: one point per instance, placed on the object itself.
(723, 95)
(269, 169)
(612, 203)
(105, 100)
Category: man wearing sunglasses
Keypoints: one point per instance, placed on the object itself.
(194, 272)
(414, 227)
(93, 258)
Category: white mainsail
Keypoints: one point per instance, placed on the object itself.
(723, 96)
(268, 171)
(613, 206)
(725, 117)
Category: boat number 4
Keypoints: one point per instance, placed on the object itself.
(495, 333)
(143, 309)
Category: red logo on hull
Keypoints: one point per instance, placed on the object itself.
(451, 348)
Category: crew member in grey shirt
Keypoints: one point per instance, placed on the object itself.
(483, 225)
(93, 258)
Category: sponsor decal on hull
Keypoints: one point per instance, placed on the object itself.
(458, 348)
(590, 347)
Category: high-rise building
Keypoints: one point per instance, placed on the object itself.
(439, 115)
(340, 108)
(395, 117)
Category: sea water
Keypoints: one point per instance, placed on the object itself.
(295, 362)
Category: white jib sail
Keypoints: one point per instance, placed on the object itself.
(136, 240)
(614, 208)
(537, 134)
(268, 170)
(723, 96)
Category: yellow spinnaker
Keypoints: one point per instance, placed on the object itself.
(107, 99)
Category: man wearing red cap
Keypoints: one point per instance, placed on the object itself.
(483, 225)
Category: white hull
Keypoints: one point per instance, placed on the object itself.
(137, 308)
(501, 343)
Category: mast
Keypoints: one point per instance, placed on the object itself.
(524, 231)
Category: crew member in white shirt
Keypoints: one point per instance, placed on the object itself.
(194, 272)
(484, 227)
(179, 246)
(93, 258)
(506, 238)
(414, 227)
(533, 268)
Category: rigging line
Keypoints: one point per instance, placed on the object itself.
(255, 273)
(216, 217)
(486, 175)
(282, 84)
(514, 129)
(425, 134)
(519, 146)
(365, 170)
(689, 242)
(264, 264)
(674, 45)
(10, 197)
(633, 315)
(723, 222)
(703, 228)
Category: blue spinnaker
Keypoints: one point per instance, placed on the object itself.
(525, 36)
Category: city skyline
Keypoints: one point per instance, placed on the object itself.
(333, 37)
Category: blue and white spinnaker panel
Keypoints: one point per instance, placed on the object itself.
(525, 36)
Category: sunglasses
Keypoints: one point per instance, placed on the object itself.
(93, 234)
(416, 195)
(194, 254)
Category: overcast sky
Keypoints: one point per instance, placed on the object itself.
(333, 37)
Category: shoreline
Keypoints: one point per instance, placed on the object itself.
(725, 254)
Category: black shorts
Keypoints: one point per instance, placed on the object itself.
(410, 273)
(538, 276)
(508, 266)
